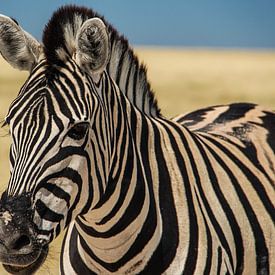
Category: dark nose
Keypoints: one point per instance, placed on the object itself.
(14, 240)
(18, 242)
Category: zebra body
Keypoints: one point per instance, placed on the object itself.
(138, 193)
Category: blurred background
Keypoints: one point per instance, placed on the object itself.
(198, 53)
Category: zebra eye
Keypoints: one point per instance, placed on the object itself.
(78, 131)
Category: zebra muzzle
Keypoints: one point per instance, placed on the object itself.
(20, 250)
(20, 253)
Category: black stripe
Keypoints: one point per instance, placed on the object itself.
(46, 213)
(119, 71)
(219, 263)
(75, 259)
(57, 191)
(209, 245)
(128, 75)
(12, 156)
(234, 112)
(97, 175)
(61, 265)
(195, 117)
(134, 88)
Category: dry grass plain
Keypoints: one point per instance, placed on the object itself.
(183, 80)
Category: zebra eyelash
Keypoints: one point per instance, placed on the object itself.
(5, 125)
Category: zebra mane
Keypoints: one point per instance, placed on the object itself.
(59, 39)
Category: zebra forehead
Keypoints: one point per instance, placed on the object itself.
(26, 103)
(48, 93)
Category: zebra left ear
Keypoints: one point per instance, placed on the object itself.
(17, 46)
(92, 46)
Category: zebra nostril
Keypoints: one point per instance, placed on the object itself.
(21, 242)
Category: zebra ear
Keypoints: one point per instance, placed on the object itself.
(18, 47)
(92, 46)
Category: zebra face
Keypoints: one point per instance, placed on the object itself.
(51, 180)
(54, 140)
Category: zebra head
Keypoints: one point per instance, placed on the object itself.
(54, 124)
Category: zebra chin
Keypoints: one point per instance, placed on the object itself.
(21, 252)
(25, 264)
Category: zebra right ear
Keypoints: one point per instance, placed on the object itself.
(92, 46)
(18, 47)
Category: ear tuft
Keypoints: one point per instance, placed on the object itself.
(92, 46)
(18, 47)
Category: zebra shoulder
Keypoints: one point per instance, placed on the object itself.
(228, 118)
(249, 127)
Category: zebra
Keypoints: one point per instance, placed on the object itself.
(135, 192)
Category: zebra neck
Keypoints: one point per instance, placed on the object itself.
(125, 224)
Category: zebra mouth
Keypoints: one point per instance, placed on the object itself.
(29, 268)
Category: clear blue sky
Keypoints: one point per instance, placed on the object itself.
(201, 23)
